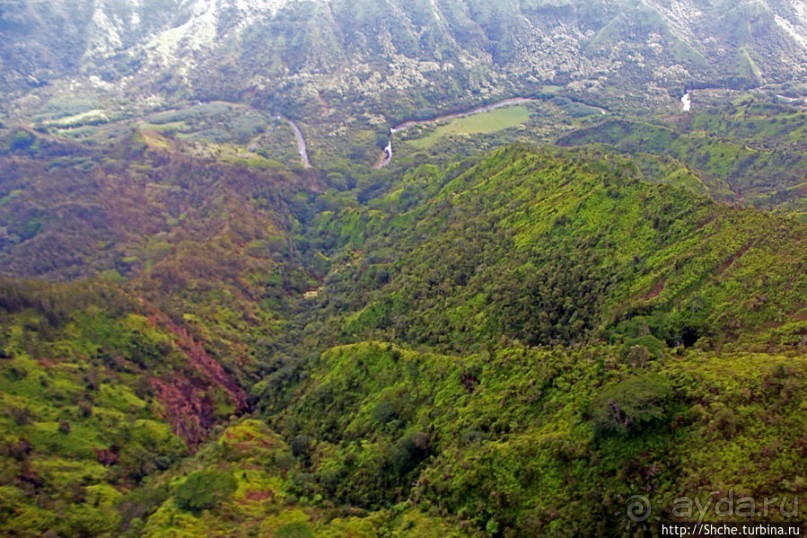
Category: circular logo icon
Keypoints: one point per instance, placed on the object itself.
(638, 510)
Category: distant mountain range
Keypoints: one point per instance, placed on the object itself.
(282, 52)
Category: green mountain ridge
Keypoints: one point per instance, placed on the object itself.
(538, 248)
(490, 343)
(235, 300)
(738, 151)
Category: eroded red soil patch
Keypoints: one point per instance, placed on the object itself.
(188, 403)
(257, 495)
(655, 291)
(736, 256)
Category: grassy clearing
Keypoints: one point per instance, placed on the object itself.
(482, 123)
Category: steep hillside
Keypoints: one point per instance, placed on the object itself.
(492, 342)
(528, 442)
(396, 57)
(96, 397)
(300, 268)
(596, 333)
(385, 441)
(560, 247)
(208, 244)
(172, 278)
(748, 152)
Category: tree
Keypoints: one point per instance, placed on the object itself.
(204, 490)
(21, 140)
(631, 404)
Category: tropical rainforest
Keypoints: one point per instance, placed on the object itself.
(401, 269)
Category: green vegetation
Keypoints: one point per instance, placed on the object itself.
(21, 140)
(467, 348)
(561, 249)
(510, 437)
(484, 122)
(631, 405)
(749, 151)
(582, 316)
(525, 317)
(81, 424)
(204, 490)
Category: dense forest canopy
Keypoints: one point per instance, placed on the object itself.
(405, 268)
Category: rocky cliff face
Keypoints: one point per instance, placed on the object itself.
(377, 51)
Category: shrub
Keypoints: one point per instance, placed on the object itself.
(385, 411)
(301, 446)
(140, 504)
(409, 451)
(724, 423)
(21, 140)
(631, 404)
(294, 530)
(21, 415)
(204, 490)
